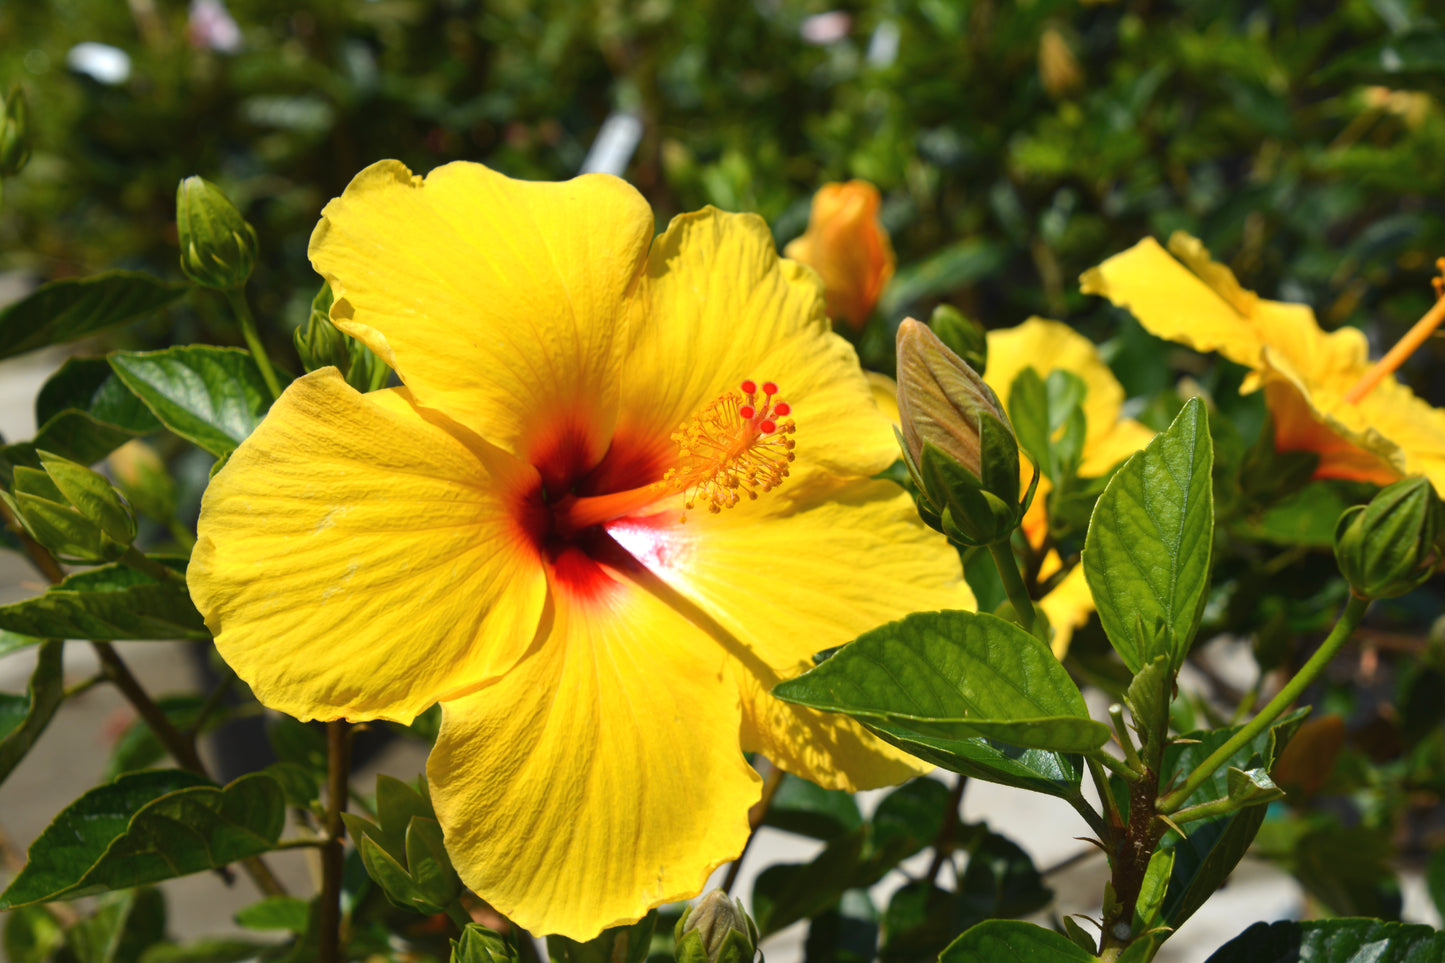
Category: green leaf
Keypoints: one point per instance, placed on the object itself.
(906, 820)
(953, 676)
(15, 641)
(1037, 770)
(276, 913)
(138, 746)
(1252, 787)
(24, 718)
(1215, 846)
(1147, 552)
(1000, 881)
(85, 412)
(65, 310)
(620, 944)
(847, 933)
(31, 935)
(1148, 700)
(109, 602)
(1435, 879)
(1334, 941)
(953, 267)
(802, 806)
(121, 929)
(211, 396)
(213, 951)
(146, 827)
(1000, 940)
(785, 893)
(1151, 894)
(480, 945)
(920, 920)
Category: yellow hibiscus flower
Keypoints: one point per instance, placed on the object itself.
(1322, 391)
(1048, 346)
(532, 531)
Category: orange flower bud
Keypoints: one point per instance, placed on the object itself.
(848, 248)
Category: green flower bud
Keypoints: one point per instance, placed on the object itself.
(72, 511)
(957, 442)
(14, 132)
(716, 930)
(963, 337)
(480, 945)
(1388, 547)
(218, 247)
(320, 344)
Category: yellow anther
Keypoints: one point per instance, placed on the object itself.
(736, 447)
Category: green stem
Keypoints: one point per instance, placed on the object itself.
(1339, 635)
(1117, 766)
(338, 772)
(458, 915)
(1013, 582)
(237, 298)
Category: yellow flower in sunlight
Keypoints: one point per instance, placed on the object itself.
(848, 248)
(1048, 346)
(1322, 391)
(589, 525)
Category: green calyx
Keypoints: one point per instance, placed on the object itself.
(716, 930)
(72, 511)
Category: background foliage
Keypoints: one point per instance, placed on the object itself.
(1016, 144)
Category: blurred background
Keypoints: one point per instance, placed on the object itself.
(1015, 144)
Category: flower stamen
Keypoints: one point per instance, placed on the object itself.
(736, 447)
(1405, 347)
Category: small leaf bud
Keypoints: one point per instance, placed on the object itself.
(14, 132)
(480, 945)
(72, 511)
(319, 343)
(218, 247)
(957, 441)
(716, 930)
(1390, 546)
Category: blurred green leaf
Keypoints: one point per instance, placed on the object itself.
(847, 933)
(65, 310)
(146, 827)
(1013, 940)
(1148, 551)
(958, 265)
(1000, 881)
(31, 935)
(109, 602)
(953, 676)
(276, 913)
(802, 806)
(123, 926)
(138, 746)
(211, 396)
(619, 944)
(24, 718)
(1334, 941)
(785, 893)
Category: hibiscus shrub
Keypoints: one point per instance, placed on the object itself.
(656, 541)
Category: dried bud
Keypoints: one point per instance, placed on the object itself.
(848, 248)
(1390, 546)
(218, 247)
(319, 343)
(72, 511)
(716, 930)
(14, 132)
(957, 441)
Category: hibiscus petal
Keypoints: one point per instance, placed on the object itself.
(723, 308)
(358, 560)
(498, 301)
(847, 559)
(601, 776)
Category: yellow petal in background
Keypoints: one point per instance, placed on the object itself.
(846, 560)
(359, 561)
(602, 776)
(499, 302)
